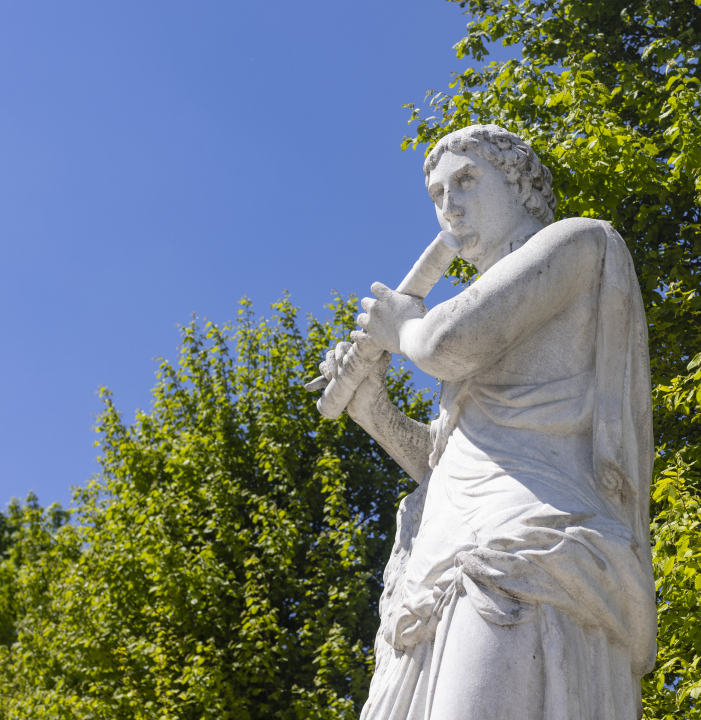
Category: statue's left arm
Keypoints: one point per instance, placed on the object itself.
(407, 441)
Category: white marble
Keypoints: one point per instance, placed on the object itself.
(520, 586)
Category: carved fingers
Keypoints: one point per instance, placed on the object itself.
(381, 291)
(341, 351)
(386, 314)
(330, 367)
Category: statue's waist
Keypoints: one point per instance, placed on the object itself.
(561, 406)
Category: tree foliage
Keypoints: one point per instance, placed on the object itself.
(607, 93)
(674, 689)
(227, 561)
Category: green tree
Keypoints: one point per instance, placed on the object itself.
(25, 535)
(227, 561)
(607, 93)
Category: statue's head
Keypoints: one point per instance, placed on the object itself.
(485, 181)
(532, 181)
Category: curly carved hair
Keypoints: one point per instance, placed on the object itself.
(508, 153)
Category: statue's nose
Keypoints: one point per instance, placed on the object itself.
(451, 211)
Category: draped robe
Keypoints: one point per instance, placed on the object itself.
(535, 513)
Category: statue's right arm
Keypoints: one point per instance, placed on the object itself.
(407, 441)
(461, 337)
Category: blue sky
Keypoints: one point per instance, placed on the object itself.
(162, 158)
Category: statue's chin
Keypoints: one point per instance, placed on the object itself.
(470, 241)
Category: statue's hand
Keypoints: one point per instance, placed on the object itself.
(385, 317)
(371, 393)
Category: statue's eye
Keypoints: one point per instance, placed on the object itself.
(467, 182)
(438, 197)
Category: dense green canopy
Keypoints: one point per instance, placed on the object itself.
(226, 563)
(607, 93)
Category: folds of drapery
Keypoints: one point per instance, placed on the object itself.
(621, 398)
(586, 580)
(573, 576)
(585, 675)
(623, 440)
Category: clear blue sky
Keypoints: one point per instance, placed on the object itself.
(162, 158)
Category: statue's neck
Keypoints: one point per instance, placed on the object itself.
(512, 242)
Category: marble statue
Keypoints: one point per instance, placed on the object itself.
(520, 585)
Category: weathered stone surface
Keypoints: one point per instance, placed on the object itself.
(520, 585)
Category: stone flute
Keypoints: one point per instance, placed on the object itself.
(362, 355)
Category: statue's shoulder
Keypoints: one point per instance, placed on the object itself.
(572, 242)
(578, 228)
(578, 234)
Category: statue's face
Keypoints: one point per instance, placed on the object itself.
(475, 202)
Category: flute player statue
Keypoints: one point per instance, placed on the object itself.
(520, 585)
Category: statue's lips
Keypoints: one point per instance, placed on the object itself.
(466, 233)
